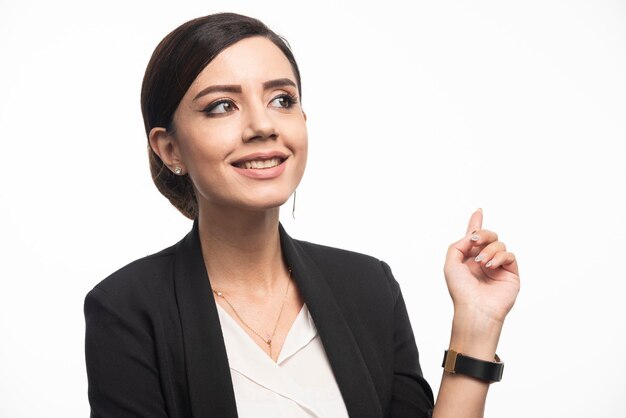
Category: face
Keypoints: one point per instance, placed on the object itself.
(239, 131)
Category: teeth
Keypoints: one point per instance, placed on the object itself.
(272, 162)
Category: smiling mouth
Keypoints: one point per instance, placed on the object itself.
(260, 164)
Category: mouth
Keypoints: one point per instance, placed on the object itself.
(260, 163)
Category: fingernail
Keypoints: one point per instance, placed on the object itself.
(474, 238)
(479, 210)
(489, 264)
(479, 258)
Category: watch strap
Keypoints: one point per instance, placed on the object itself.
(454, 362)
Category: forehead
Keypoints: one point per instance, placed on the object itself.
(251, 60)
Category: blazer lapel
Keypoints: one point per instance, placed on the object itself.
(344, 355)
(208, 373)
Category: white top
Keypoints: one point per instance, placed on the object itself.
(300, 384)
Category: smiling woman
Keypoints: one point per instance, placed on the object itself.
(238, 318)
(239, 122)
(167, 82)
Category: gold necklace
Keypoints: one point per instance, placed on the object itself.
(267, 339)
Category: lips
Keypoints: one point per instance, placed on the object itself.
(260, 161)
(260, 164)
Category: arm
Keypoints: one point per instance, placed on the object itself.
(121, 361)
(483, 291)
(412, 396)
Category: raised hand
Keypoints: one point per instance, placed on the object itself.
(482, 276)
(483, 281)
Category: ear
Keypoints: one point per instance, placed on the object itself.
(164, 145)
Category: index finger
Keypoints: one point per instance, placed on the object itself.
(476, 221)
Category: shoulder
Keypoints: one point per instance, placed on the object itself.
(350, 268)
(334, 253)
(142, 279)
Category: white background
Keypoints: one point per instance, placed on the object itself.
(417, 115)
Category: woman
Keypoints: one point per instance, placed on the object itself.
(238, 318)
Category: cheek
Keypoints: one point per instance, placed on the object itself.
(298, 135)
(300, 148)
(206, 145)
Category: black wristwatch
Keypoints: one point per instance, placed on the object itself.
(487, 371)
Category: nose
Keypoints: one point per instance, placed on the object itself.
(259, 125)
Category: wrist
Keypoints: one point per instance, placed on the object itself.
(486, 371)
(475, 334)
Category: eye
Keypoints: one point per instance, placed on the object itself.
(220, 107)
(284, 101)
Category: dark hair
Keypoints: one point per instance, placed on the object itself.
(174, 65)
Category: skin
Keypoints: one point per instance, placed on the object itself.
(239, 213)
(482, 298)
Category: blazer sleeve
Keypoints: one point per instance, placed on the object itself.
(412, 396)
(121, 361)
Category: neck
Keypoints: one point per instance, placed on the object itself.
(241, 250)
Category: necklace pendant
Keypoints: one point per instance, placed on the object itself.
(219, 294)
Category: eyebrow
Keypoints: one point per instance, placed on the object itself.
(280, 82)
(233, 88)
(220, 89)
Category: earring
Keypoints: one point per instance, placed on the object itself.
(293, 207)
(178, 171)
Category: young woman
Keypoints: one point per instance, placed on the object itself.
(238, 318)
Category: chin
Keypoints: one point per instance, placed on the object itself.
(268, 196)
(268, 202)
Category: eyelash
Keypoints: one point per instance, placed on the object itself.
(212, 106)
(292, 99)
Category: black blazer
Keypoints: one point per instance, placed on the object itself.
(154, 346)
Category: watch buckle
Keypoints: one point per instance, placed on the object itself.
(450, 363)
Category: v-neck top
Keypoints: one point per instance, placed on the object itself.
(299, 384)
(154, 346)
